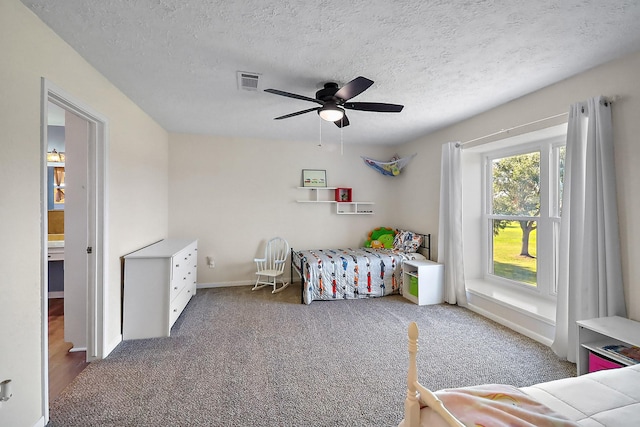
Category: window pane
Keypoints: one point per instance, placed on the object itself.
(516, 185)
(515, 250)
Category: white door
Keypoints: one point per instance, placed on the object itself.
(85, 225)
(76, 231)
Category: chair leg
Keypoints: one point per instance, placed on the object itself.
(272, 281)
(259, 284)
(281, 288)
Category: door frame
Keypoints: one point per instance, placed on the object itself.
(97, 228)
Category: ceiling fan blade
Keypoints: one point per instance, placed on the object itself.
(374, 106)
(354, 88)
(293, 95)
(344, 121)
(297, 113)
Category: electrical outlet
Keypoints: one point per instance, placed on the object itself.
(210, 262)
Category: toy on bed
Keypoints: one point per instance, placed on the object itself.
(374, 270)
(608, 398)
(381, 237)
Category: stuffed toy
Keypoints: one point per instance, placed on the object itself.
(381, 237)
(387, 240)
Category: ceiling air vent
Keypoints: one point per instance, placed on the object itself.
(248, 81)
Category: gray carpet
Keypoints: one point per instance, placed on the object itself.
(243, 358)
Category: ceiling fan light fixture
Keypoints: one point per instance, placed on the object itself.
(331, 113)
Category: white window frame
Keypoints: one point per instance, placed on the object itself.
(548, 221)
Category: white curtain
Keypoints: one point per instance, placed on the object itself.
(450, 226)
(589, 273)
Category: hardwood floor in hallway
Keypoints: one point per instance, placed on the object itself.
(63, 365)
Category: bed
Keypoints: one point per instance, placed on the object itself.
(608, 398)
(362, 272)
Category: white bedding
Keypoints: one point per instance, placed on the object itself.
(604, 398)
(609, 398)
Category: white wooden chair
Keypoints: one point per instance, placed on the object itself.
(271, 267)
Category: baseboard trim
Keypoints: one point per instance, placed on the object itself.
(56, 294)
(224, 285)
(236, 283)
(511, 325)
(40, 423)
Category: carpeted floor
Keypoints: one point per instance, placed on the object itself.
(243, 358)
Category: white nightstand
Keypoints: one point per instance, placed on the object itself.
(428, 282)
(594, 334)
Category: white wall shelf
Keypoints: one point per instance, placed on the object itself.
(327, 195)
(319, 195)
(354, 208)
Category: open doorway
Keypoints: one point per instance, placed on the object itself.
(82, 181)
(66, 132)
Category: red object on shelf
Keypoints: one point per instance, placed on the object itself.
(343, 194)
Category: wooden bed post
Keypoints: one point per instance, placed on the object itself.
(417, 394)
(411, 403)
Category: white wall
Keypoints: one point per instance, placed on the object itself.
(234, 194)
(137, 184)
(615, 78)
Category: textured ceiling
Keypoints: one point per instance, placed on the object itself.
(444, 60)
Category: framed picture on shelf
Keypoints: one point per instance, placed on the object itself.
(314, 178)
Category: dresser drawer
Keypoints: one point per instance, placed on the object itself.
(178, 304)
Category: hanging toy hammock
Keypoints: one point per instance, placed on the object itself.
(390, 168)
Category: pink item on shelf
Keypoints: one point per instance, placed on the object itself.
(597, 363)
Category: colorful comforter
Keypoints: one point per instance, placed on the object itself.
(332, 274)
(498, 405)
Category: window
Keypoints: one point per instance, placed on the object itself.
(523, 203)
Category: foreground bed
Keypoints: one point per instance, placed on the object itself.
(352, 273)
(609, 398)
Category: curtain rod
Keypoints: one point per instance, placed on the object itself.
(462, 144)
(609, 99)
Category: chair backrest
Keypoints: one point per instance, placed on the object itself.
(277, 249)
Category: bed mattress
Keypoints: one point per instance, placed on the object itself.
(605, 398)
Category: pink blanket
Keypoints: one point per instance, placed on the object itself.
(497, 405)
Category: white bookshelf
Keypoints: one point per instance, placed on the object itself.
(593, 334)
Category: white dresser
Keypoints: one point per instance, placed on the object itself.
(159, 281)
